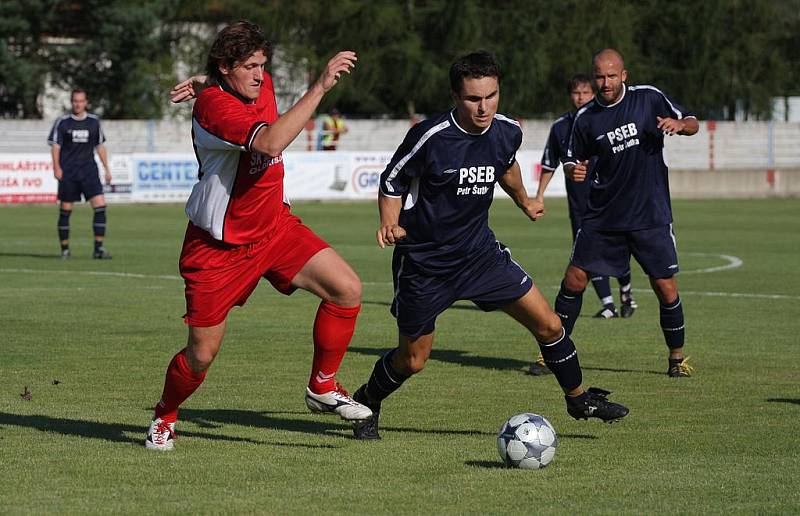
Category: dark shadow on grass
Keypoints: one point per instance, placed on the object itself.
(793, 401)
(455, 356)
(463, 358)
(276, 420)
(115, 432)
(32, 255)
(486, 464)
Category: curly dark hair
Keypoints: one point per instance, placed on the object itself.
(233, 45)
(475, 65)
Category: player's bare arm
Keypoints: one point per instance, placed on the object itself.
(103, 155)
(274, 139)
(685, 126)
(577, 171)
(55, 152)
(389, 232)
(544, 180)
(512, 183)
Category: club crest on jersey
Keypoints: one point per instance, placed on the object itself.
(260, 162)
(623, 134)
(476, 180)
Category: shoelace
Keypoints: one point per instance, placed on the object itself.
(684, 366)
(161, 430)
(338, 387)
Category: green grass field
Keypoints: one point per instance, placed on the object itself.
(91, 340)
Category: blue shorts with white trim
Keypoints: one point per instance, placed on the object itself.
(608, 253)
(491, 282)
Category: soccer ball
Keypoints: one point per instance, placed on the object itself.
(527, 441)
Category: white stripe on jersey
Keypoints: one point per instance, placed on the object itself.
(506, 119)
(648, 87)
(572, 131)
(400, 164)
(54, 135)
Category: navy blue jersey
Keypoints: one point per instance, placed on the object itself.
(554, 150)
(77, 139)
(629, 189)
(446, 178)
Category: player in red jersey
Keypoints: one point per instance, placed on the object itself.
(241, 228)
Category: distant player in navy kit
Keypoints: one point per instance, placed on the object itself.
(629, 210)
(434, 204)
(579, 89)
(73, 142)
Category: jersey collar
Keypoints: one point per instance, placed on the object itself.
(224, 87)
(453, 118)
(624, 91)
(79, 118)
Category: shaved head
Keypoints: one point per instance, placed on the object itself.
(608, 55)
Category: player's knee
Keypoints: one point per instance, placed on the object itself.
(549, 329)
(576, 279)
(200, 359)
(666, 289)
(410, 363)
(348, 291)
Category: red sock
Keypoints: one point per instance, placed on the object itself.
(333, 329)
(179, 384)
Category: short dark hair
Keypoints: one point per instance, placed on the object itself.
(475, 65)
(233, 45)
(77, 90)
(578, 78)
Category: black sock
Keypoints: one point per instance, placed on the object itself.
(63, 226)
(99, 222)
(568, 307)
(603, 288)
(672, 324)
(562, 359)
(98, 244)
(383, 381)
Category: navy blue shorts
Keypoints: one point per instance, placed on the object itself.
(608, 253)
(72, 186)
(491, 283)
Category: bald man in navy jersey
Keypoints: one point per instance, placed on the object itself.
(629, 210)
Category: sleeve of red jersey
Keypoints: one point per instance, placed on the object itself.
(222, 122)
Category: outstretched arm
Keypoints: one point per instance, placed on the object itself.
(389, 232)
(273, 139)
(512, 183)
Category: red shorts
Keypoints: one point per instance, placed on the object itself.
(219, 276)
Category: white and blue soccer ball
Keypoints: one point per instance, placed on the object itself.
(527, 441)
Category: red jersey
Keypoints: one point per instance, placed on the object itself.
(239, 197)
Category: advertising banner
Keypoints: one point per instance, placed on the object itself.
(162, 177)
(170, 177)
(27, 178)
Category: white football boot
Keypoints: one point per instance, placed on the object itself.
(337, 401)
(160, 436)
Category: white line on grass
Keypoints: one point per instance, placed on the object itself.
(733, 262)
